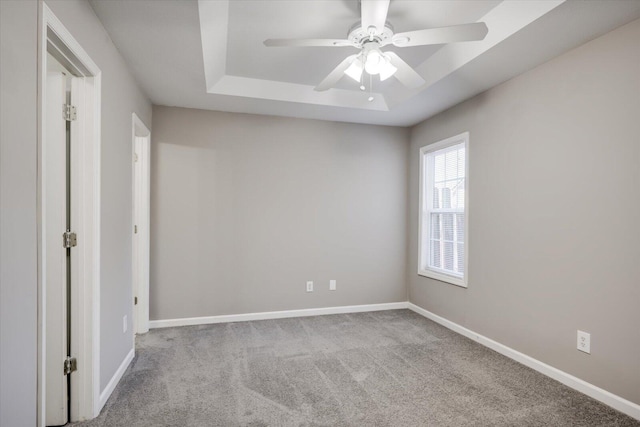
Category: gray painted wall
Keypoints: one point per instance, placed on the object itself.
(18, 250)
(121, 97)
(245, 209)
(554, 199)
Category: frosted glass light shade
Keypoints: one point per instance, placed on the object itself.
(387, 70)
(355, 69)
(373, 62)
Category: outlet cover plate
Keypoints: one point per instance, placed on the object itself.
(584, 342)
(332, 285)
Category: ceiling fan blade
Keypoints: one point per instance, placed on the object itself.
(335, 75)
(405, 74)
(374, 13)
(308, 43)
(455, 33)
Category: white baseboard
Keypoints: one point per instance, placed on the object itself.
(106, 393)
(190, 321)
(616, 402)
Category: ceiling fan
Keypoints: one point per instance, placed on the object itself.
(372, 33)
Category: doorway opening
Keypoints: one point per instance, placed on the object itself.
(141, 142)
(68, 227)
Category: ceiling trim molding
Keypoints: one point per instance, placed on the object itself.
(293, 92)
(214, 27)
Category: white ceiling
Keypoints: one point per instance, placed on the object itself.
(210, 55)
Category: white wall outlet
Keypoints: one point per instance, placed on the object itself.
(124, 324)
(332, 285)
(584, 342)
(309, 286)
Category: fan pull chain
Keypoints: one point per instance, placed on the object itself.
(362, 87)
(370, 88)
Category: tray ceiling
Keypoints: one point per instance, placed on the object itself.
(210, 54)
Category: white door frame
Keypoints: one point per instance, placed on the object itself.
(85, 165)
(141, 137)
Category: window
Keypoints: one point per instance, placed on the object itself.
(443, 210)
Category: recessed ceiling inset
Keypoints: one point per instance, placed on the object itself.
(257, 78)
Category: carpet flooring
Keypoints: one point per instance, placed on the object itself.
(387, 368)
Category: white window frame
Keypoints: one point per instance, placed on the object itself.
(423, 223)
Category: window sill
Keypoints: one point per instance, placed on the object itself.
(457, 281)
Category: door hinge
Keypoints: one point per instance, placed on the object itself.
(69, 239)
(70, 365)
(69, 112)
(135, 157)
(135, 300)
(135, 229)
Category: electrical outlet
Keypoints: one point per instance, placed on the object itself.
(584, 342)
(124, 324)
(309, 286)
(332, 285)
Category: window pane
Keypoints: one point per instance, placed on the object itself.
(448, 256)
(451, 162)
(460, 268)
(459, 194)
(449, 177)
(436, 226)
(436, 259)
(445, 192)
(447, 226)
(439, 168)
(461, 162)
(460, 228)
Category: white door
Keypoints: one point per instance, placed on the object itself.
(59, 261)
(55, 207)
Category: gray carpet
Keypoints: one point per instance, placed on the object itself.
(389, 368)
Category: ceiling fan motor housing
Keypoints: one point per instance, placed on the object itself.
(360, 36)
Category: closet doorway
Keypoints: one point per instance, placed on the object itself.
(141, 138)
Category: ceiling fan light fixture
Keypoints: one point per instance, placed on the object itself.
(387, 70)
(355, 69)
(373, 62)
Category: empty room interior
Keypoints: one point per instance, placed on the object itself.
(319, 213)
